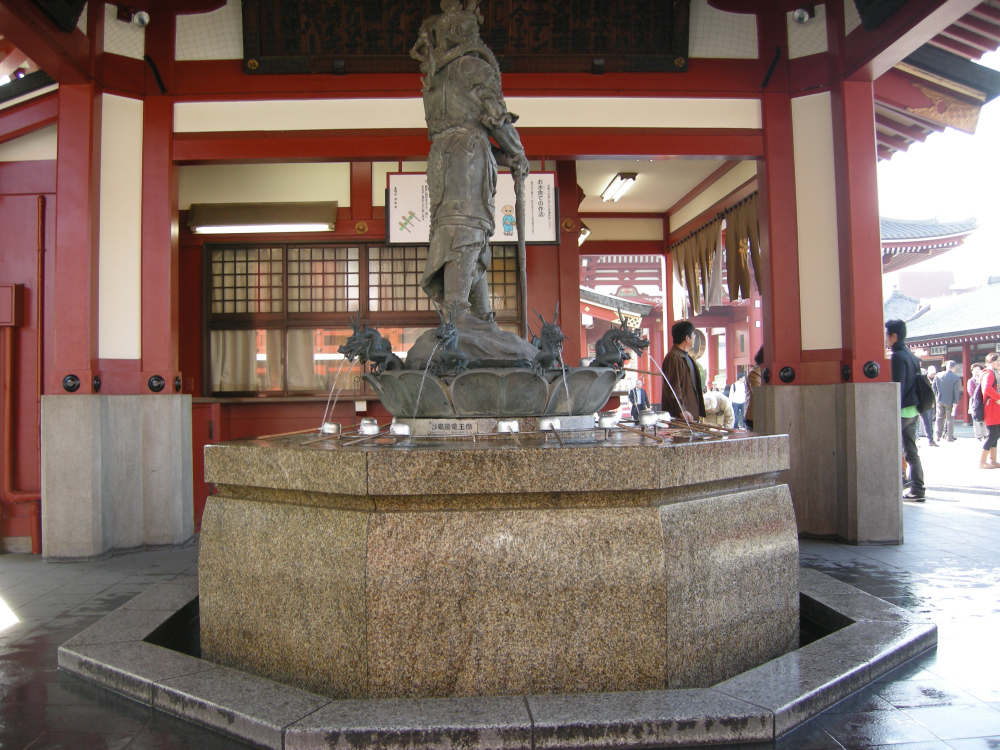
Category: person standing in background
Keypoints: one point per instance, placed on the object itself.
(719, 410)
(927, 417)
(638, 398)
(948, 389)
(754, 379)
(682, 389)
(905, 371)
(991, 410)
(738, 397)
(975, 394)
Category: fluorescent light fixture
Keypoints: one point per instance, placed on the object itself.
(262, 218)
(584, 234)
(263, 228)
(618, 186)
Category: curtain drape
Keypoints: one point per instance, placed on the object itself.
(699, 260)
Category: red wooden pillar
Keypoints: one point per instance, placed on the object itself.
(569, 262)
(782, 325)
(858, 229)
(712, 341)
(361, 192)
(160, 254)
(731, 353)
(72, 332)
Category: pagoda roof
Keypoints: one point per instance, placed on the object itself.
(958, 315)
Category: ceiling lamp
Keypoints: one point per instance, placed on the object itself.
(584, 234)
(262, 218)
(618, 187)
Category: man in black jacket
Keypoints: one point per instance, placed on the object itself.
(905, 371)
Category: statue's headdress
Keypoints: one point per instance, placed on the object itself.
(448, 36)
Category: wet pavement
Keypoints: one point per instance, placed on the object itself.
(948, 570)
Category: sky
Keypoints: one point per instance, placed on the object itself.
(951, 176)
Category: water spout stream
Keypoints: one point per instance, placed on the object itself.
(671, 387)
(336, 377)
(420, 390)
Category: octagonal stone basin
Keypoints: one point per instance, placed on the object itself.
(494, 392)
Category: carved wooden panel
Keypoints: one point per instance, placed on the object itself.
(375, 36)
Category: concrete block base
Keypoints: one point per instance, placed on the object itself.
(845, 446)
(116, 474)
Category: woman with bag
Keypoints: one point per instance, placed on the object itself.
(991, 410)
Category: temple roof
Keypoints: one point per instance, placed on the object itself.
(899, 306)
(909, 241)
(894, 230)
(973, 312)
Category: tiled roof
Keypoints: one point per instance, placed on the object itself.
(896, 230)
(899, 306)
(977, 310)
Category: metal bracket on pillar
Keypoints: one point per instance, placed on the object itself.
(845, 372)
(786, 374)
(872, 369)
(156, 383)
(71, 383)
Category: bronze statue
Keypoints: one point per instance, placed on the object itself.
(464, 107)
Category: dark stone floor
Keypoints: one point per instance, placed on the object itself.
(948, 569)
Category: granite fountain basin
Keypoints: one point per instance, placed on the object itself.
(452, 569)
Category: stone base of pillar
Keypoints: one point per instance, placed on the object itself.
(845, 474)
(116, 474)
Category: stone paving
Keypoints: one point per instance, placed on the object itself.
(948, 570)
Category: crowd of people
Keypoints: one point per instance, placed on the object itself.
(929, 398)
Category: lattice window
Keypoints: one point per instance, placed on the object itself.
(247, 280)
(502, 277)
(323, 279)
(394, 279)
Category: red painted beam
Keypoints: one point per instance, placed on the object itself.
(550, 143)
(702, 186)
(958, 48)
(987, 11)
(65, 57)
(907, 131)
(221, 79)
(25, 118)
(893, 141)
(27, 177)
(987, 44)
(986, 28)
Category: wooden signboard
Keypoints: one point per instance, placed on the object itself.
(375, 36)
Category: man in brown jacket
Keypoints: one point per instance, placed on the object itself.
(681, 372)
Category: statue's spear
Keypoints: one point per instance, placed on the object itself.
(522, 255)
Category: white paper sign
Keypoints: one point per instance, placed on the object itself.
(408, 218)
